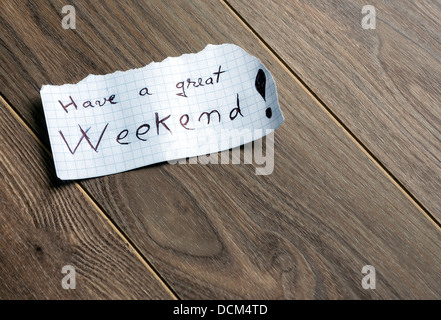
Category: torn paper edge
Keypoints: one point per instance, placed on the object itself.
(150, 65)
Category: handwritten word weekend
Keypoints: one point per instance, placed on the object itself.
(160, 122)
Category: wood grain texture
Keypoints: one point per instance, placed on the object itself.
(217, 231)
(45, 225)
(384, 84)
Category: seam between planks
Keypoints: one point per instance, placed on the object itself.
(156, 274)
(334, 117)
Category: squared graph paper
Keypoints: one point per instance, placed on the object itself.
(196, 104)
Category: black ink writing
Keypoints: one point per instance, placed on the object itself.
(140, 133)
(88, 103)
(205, 118)
(72, 103)
(67, 144)
(200, 82)
(268, 113)
(185, 122)
(122, 135)
(236, 111)
(209, 116)
(88, 140)
(260, 83)
(84, 136)
(162, 121)
(110, 100)
(218, 73)
(144, 92)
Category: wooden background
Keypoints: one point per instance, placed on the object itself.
(357, 161)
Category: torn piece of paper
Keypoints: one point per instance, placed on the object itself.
(196, 104)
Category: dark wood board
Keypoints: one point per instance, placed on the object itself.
(383, 84)
(46, 225)
(217, 231)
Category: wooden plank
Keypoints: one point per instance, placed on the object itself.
(46, 225)
(216, 231)
(383, 83)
